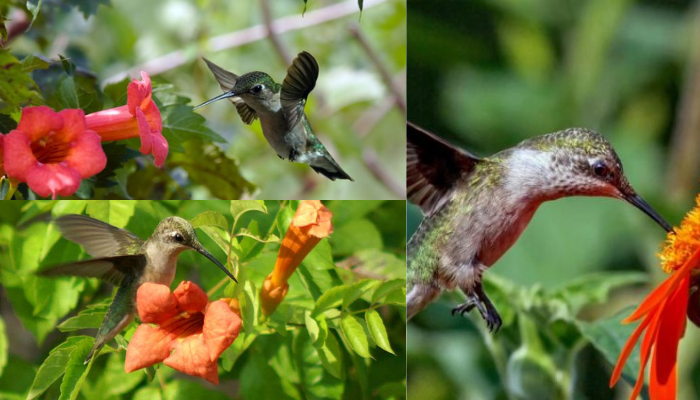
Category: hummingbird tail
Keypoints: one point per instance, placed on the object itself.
(326, 166)
(420, 295)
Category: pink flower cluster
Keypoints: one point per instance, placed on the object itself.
(53, 151)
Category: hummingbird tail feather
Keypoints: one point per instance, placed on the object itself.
(420, 295)
(326, 166)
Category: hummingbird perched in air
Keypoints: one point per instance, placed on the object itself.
(281, 111)
(476, 208)
(126, 261)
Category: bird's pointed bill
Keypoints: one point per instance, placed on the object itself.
(206, 254)
(217, 98)
(638, 202)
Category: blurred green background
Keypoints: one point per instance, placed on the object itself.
(487, 74)
(352, 109)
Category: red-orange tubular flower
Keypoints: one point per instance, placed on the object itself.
(310, 224)
(664, 311)
(181, 329)
(140, 117)
(52, 151)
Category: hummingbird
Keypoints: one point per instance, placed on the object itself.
(124, 260)
(476, 208)
(281, 111)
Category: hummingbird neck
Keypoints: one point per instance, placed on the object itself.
(531, 177)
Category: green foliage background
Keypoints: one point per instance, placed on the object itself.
(339, 333)
(487, 74)
(106, 43)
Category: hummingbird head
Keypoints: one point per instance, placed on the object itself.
(258, 90)
(177, 234)
(578, 162)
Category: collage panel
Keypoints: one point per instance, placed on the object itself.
(202, 99)
(538, 267)
(202, 299)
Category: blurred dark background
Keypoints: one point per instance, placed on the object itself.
(487, 74)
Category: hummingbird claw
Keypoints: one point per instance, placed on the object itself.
(477, 298)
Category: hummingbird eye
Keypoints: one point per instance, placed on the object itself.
(600, 169)
(257, 89)
(178, 237)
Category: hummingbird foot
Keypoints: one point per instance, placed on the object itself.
(477, 298)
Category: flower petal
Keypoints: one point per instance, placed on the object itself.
(53, 179)
(87, 156)
(155, 303)
(191, 357)
(36, 122)
(221, 328)
(147, 347)
(190, 297)
(18, 155)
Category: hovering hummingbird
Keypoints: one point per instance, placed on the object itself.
(281, 111)
(124, 260)
(476, 208)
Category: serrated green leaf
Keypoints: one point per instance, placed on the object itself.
(180, 125)
(329, 299)
(386, 288)
(208, 165)
(355, 335)
(376, 328)
(17, 88)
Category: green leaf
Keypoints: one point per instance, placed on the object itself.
(250, 248)
(331, 356)
(316, 381)
(320, 258)
(76, 370)
(386, 288)
(240, 207)
(210, 218)
(377, 330)
(90, 317)
(180, 125)
(595, 288)
(208, 165)
(329, 299)
(249, 308)
(34, 7)
(247, 233)
(17, 89)
(354, 236)
(233, 352)
(117, 213)
(355, 335)
(31, 62)
(3, 345)
(54, 366)
(357, 289)
(311, 326)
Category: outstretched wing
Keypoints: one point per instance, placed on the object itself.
(227, 80)
(110, 269)
(98, 238)
(299, 82)
(433, 166)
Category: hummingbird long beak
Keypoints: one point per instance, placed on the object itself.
(222, 96)
(206, 254)
(638, 202)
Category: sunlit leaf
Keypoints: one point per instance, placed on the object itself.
(90, 317)
(3, 346)
(355, 335)
(377, 330)
(331, 298)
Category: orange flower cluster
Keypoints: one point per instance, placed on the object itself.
(310, 224)
(188, 334)
(664, 311)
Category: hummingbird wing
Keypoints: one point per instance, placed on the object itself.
(98, 238)
(111, 269)
(299, 82)
(227, 80)
(433, 167)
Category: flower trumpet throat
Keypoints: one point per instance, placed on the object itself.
(310, 224)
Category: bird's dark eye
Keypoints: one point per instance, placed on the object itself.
(600, 169)
(178, 237)
(257, 89)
